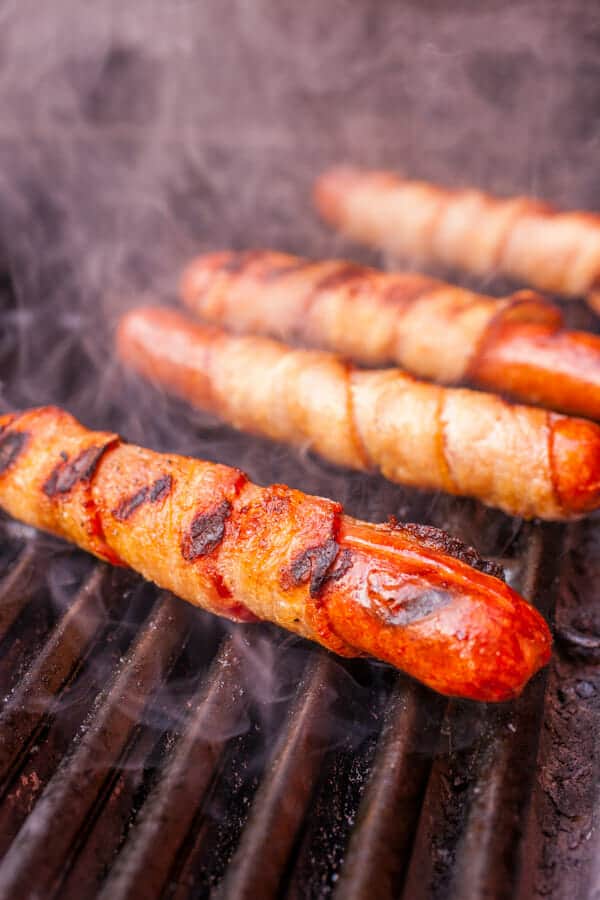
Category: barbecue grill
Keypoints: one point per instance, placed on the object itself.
(148, 749)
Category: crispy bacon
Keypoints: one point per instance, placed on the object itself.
(528, 240)
(527, 461)
(516, 345)
(248, 553)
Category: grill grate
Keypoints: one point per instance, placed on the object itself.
(138, 761)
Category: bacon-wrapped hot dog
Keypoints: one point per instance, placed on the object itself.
(526, 461)
(405, 594)
(523, 238)
(516, 345)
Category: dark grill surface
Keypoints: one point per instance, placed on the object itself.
(142, 755)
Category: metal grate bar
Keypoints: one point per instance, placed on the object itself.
(36, 691)
(19, 586)
(562, 842)
(145, 863)
(381, 840)
(489, 857)
(78, 785)
(60, 727)
(282, 801)
(471, 825)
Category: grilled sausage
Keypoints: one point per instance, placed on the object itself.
(517, 345)
(523, 238)
(524, 460)
(404, 594)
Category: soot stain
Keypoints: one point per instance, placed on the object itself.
(67, 474)
(11, 445)
(206, 532)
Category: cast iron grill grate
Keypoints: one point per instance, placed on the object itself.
(137, 758)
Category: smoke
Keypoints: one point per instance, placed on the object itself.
(133, 135)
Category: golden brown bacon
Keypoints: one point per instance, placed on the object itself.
(526, 461)
(404, 594)
(523, 238)
(516, 345)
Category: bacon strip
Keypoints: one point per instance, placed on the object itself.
(516, 345)
(524, 460)
(403, 594)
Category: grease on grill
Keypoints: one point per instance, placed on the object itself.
(11, 445)
(206, 532)
(67, 474)
(314, 564)
(157, 491)
(437, 539)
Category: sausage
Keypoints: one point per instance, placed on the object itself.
(524, 460)
(409, 595)
(530, 241)
(516, 346)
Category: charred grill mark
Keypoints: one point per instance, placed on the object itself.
(343, 563)
(161, 488)
(206, 532)
(67, 474)
(127, 507)
(11, 445)
(436, 539)
(153, 494)
(314, 564)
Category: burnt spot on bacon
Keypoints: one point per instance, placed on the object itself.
(206, 532)
(156, 492)
(67, 473)
(11, 445)
(314, 565)
(436, 539)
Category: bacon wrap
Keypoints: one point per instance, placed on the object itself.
(516, 345)
(523, 238)
(408, 595)
(524, 460)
